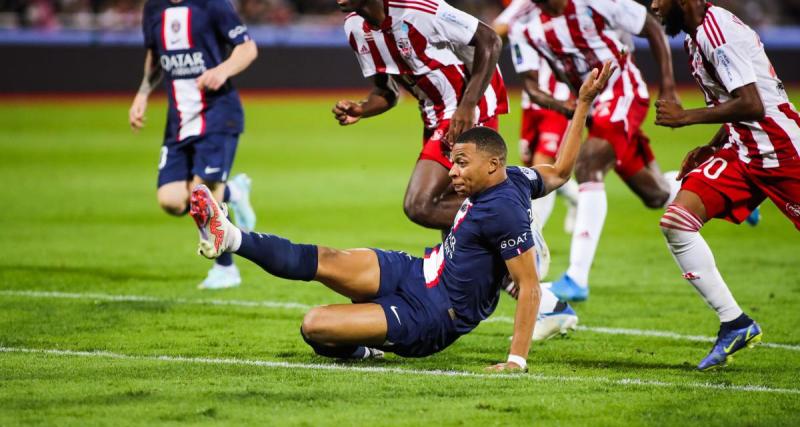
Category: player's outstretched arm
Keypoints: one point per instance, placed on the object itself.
(152, 76)
(522, 269)
(659, 45)
(487, 51)
(557, 174)
(241, 57)
(382, 98)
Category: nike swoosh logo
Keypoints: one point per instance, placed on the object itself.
(394, 310)
(210, 170)
(728, 348)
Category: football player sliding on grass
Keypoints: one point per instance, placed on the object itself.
(415, 307)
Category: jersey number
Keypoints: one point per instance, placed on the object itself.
(709, 169)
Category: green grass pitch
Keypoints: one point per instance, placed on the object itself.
(100, 321)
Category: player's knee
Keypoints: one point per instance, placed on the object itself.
(418, 209)
(316, 325)
(656, 199)
(173, 205)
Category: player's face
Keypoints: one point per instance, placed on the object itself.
(671, 15)
(348, 6)
(471, 169)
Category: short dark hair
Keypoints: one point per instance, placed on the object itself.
(486, 140)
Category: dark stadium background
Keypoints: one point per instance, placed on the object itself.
(94, 46)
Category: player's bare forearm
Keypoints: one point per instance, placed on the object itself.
(556, 175)
(487, 51)
(382, 98)
(659, 45)
(523, 271)
(241, 57)
(152, 74)
(538, 96)
(746, 105)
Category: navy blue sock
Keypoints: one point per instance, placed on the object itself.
(227, 196)
(740, 322)
(280, 257)
(337, 352)
(226, 259)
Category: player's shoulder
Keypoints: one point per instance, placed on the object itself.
(353, 23)
(721, 27)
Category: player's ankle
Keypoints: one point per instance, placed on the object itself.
(234, 242)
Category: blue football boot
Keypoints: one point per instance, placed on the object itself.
(755, 217)
(729, 343)
(567, 289)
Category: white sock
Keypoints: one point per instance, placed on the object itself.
(674, 186)
(569, 191)
(694, 257)
(549, 301)
(233, 240)
(592, 209)
(543, 207)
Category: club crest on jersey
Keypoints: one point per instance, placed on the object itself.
(404, 45)
(175, 26)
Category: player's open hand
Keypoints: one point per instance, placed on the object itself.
(595, 83)
(347, 112)
(212, 79)
(694, 159)
(509, 367)
(136, 116)
(670, 113)
(463, 120)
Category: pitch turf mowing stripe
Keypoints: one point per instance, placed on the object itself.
(400, 371)
(299, 306)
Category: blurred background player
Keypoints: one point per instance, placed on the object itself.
(575, 36)
(445, 58)
(187, 41)
(542, 129)
(755, 154)
(411, 306)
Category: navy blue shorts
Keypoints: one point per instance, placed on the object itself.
(418, 318)
(208, 156)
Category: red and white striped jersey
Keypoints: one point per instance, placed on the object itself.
(424, 46)
(526, 58)
(514, 12)
(726, 54)
(586, 34)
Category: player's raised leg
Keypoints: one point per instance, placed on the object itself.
(681, 225)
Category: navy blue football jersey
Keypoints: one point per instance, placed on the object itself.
(189, 37)
(490, 228)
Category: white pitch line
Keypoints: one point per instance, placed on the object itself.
(400, 371)
(299, 306)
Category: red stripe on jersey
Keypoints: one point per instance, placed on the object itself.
(353, 44)
(433, 94)
(570, 69)
(710, 34)
(202, 112)
(420, 43)
(780, 139)
(746, 136)
(600, 26)
(175, 99)
(403, 5)
(350, 15)
(576, 33)
(391, 44)
(164, 29)
(189, 31)
(787, 110)
(420, 3)
(715, 26)
(456, 80)
(380, 66)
